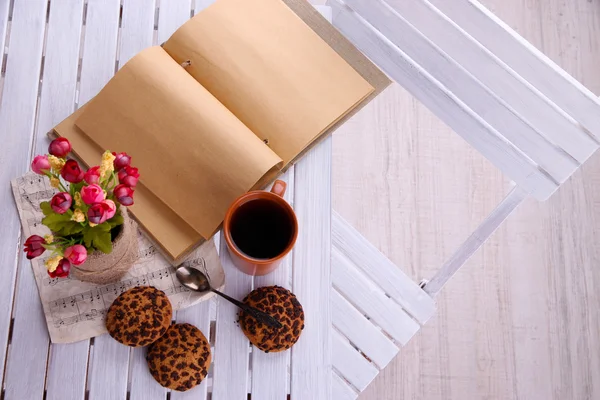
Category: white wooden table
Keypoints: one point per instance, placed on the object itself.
(520, 110)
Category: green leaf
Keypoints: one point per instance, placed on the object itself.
(115, 221)
(55, 221)
(45, 207)
(98, 238)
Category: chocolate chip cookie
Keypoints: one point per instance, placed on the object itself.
(139, 316)
(180, 359)
(281, 304)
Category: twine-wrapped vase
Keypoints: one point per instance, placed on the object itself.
(104, 268)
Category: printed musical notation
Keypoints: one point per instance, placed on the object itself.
(75, 310)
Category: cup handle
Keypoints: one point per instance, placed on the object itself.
(279, 188)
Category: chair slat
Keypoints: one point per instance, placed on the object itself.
(527, 61)
(443, 102)
(514, 91)
(360, 331)
(17, 118)
(370, 299)
(341, 390)
(475, 76)
(351, 364)
(388, 276)
(311, 278)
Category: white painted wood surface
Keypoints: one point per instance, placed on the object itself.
(311, 355)
(17, 118)
(57, 99)
(270, 372)
(356, 369)
(341, 390)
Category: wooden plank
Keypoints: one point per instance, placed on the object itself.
(370, 299)
(17, 118)
(199, 316)
(351, 364)
(442, 102)
(230, 363)
(341, 390)
(527, 61)
(4, 9)
(311, 356)
(372, 262)
(522, 98)
(476, 240)
(143, 386)
(201, 5)
(171, 15)
(57, 100)
(360, 331)
(137, 28)
(473, 75)
(109, 360)
(270, 371)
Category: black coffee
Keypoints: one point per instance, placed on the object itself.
(261, 228)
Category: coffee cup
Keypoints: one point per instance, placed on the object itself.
(260, 229)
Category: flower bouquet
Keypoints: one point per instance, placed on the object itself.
(86, 217)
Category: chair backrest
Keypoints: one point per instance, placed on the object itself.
(509, 101)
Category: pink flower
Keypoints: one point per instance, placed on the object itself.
(98, 213)
(76, 254)
(61, 202)
(92, 175)
(124, 194)
(122, 160)
(34, 246)
(63, 269)
(111, 208)
(59, 147)
(40, 164)
(92, 194)
(72, 172)
(129, 176)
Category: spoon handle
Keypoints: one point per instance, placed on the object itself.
(257, 314)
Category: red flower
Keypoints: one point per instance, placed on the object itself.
(111, 208)
(63, 269)
(61, 202)
(72, 172)
(129, 176)
(92, 175)
(40, 164)
(98, 213)
(92, 194)
(124, 194)
(122, 160)
(33, 246)
(76, 254)
(59, 147)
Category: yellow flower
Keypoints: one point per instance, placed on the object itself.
(54, 182)
(52, 262)
(77, 198)
(56, 163)
(78, 215)
(49, 239)
(92, 224)
(107, 165)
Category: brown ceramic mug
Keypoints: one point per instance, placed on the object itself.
(260, 229)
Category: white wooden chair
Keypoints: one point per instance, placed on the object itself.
(521, 111)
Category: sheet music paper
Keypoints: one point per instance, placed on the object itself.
(75, 310)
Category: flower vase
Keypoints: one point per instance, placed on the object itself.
(101, 268)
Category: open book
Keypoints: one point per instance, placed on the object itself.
(235, 96)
